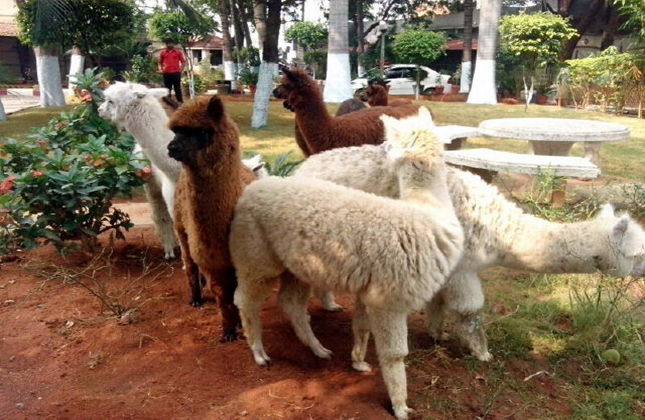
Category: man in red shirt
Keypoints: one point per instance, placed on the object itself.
(171, 64)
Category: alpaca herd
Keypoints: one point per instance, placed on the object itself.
(373, 212)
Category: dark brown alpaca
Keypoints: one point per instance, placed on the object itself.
(320, 131)
(349, 105)
(377, 95)
(207, 144)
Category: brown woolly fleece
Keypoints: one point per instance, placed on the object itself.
(319, 130)
(207, 191)
(349, 105)
(377, 95)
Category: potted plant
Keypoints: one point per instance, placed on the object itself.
(35, 90)
(248, 78)
(438, 89)
(3, 90)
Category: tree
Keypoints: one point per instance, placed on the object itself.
(181, 30)
(5, 77)
(536, 39)
(483, 90)
(466, 57)
(338, 82)
(269, 65)
(419, 46)
(634, 13)
(308, 35)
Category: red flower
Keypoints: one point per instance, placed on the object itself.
(37, 173)
(7, 185)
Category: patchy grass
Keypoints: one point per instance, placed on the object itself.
(21, 123)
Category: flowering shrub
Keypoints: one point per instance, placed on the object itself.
(59, 183)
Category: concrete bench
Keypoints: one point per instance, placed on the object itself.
(453, 136)
(496, 161)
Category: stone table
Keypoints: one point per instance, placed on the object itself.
(555, 136)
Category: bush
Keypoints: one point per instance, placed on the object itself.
(247, 77)
(59, 183)
(210, 76)
(144, 70)
(200, 85)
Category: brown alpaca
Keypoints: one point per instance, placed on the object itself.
(349, 105)
(377, 95)
(207, 144)
(319, 130)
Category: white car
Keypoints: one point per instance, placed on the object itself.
(403, 82)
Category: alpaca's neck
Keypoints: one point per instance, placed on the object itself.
(547, 247)
(425, 186)
(148, 124)
(311, 114)
(213, 178)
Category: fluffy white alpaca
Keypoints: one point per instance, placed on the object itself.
(497, 232)
(137, 109)
(393, 255)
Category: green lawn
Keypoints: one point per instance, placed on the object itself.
(619, 159)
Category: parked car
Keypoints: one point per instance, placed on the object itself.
(402, 80)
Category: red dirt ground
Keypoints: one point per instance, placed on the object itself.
(63, 357)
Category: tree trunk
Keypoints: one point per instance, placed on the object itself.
(229, 67)
(76, 65)
(3, 115)
(244, 18)
(260, 19)
(418, 88)
(48, 70)
(484, 90)
(338, 82)
(581, 26)
(466, 57)
(269, 65)
(237, 25)
(610, 28)
(360, 48)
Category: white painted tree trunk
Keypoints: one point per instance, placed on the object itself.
(3, 115)
(229, 70)
(338, 83)
(76, 65)
(484, 89)
(466, 70)
(263, 94)
(48, 71)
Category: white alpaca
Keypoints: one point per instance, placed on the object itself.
(393, 255)
(137, 109)
(497, 232)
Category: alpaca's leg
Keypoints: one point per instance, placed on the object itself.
(435, 315)
(293, 298)
(223, 283)
(191, 269)
(161, 216)
(463, 294)
(361, 330)
(302, 142)
(249, 297)
(390, 331)
(328, 302)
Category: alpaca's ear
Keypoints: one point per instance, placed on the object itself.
(607, 210)
(290, 74)
(215, 108)
(621, 226)
(159, 92)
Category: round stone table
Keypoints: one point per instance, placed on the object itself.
(555, 136)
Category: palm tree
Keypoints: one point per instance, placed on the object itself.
(483, 89)
(338, 84)
(466, 58)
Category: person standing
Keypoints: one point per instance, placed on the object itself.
(171, 64)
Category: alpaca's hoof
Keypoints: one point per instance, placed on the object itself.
(323, 353)
(362, 366)
(196, 303)
(228, 336)
(262, 359)
(169, 255)
(485, 357)
(439, 336)
(332, 306)
(401, 413)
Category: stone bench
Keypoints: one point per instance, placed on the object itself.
(453, 136)
(496, 161)
(487, 163)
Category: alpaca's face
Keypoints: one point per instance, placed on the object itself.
(625, 253)
(188, 143)
(119, 99)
